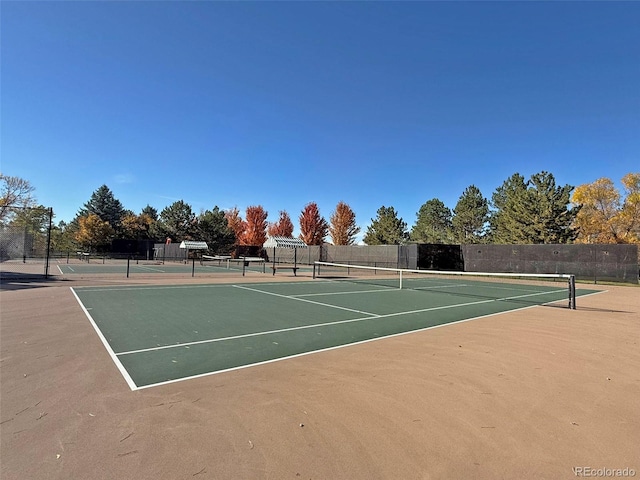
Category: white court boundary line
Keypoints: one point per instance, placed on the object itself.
(273, 360)
(373, 315)
(123, 371)
(132, 385)
(317, 325)
(101, 288)
(380, 290)
(144, 267)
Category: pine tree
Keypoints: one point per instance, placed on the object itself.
(386, 228)
(108, 208)
(470, 216)
(178, 222)
(150, 212)
(214, 229)
(503, 228)
(433, 224)
(534, 212)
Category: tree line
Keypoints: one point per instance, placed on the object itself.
(520, 211)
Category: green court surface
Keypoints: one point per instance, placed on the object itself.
(160, 334)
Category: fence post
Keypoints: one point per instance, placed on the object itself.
(46, 264)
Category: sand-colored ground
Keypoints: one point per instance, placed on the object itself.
(529, 394)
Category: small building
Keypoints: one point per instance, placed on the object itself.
(188, 245)
(284, 242)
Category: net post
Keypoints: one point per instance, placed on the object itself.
(314, 270)
(400, 279)
(572, 292)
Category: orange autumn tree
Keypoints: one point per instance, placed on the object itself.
(343, 228)
(605, 216)
(236, 223)
(255, 232)
(313, 228)
(283, 227)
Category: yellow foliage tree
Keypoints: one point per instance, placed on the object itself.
(92, 231)
(604, 216)
(136, 226)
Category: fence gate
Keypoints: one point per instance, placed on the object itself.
(25, 242)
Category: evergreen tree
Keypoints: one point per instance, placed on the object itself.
(433, 224)
(534, 212)
(103, 204)
(502, 229)
(214, 229)
(470, 216)
(386, 228)
(178, 222)
(150, 212)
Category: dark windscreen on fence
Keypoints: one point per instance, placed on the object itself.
(610, 263)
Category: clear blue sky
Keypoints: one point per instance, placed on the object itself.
(280, 104)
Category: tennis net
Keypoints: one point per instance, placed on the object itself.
(499, 286)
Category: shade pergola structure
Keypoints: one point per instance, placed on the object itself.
(284, 242)
(192, 245)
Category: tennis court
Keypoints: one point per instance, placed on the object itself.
(134, 267)
(166, 333)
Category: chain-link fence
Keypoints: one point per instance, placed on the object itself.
(391, 256)
(25, 242)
